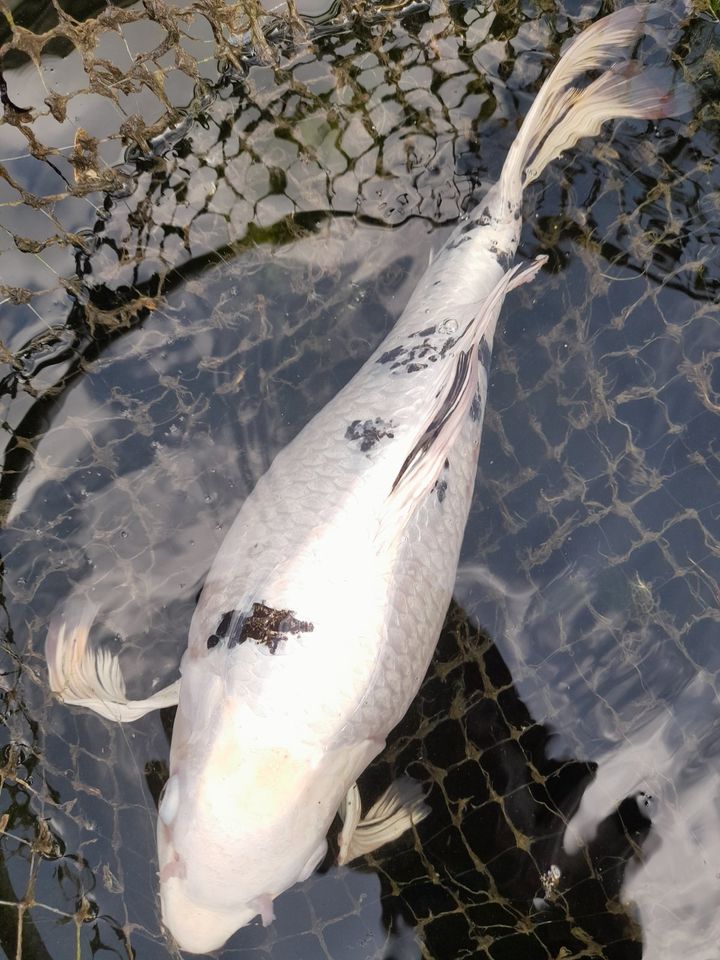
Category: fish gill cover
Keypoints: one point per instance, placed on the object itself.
(210, 216)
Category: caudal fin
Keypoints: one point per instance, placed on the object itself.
(562, 113)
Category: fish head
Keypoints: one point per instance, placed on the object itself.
(242, 816)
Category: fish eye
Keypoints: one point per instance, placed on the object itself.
(213, 641)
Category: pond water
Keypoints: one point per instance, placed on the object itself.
(200, 243)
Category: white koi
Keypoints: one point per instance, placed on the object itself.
(323, 606)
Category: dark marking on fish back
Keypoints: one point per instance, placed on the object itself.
(475, 222)
(441, 484)
(229, 624)
(459, 241)
(265, 625)
(484, 353)
(369, 432)
(391, 355)
(413, 357)
(448, 345)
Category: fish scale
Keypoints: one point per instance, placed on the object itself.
(320, 466)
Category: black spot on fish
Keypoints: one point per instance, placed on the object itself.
(472, 224)
(368, 432)
(268, 626)
(484, 353)
(223, 628)
(391, 355)
(405, 358)
(441, 484)
(448, 345)
(476, 407)
(458, 242)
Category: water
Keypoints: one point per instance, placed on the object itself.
(171, 316)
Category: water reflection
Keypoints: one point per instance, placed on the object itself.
(174, 312)
(666, 766)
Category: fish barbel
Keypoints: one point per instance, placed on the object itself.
(323, 606)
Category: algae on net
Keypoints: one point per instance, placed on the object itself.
(208, 223)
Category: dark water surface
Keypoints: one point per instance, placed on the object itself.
(185, 282)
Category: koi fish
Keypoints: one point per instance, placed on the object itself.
(323, 606)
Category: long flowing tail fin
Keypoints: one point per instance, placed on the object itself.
(561, 113)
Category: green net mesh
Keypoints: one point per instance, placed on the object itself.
(210, 214)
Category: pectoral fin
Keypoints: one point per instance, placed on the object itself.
(89, 678)
(399, 808)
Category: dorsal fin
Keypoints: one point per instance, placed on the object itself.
(437, 433)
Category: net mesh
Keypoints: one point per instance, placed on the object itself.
(210, 214)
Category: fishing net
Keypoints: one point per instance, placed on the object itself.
(210, 214)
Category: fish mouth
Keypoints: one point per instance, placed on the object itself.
(195, 927)
(192, 920)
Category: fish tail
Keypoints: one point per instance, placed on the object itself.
(562, 114)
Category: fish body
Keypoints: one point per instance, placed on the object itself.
(347, 593)
(323, 606)
(327, 598)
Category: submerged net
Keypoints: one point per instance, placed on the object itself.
(210, 214)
